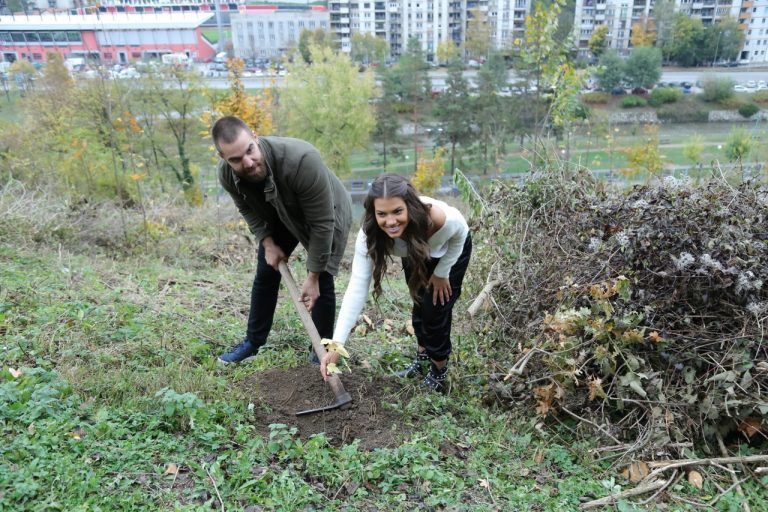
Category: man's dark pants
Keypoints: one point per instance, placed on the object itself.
(266, 285)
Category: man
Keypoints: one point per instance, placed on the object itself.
(287, 196)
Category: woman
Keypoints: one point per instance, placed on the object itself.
(433, 240)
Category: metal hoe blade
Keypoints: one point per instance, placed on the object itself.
(342, 402)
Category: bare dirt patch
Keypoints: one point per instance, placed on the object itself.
(373, 417)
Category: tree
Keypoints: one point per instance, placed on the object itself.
(598, 42)
(663, 14)
(645, 157)
(490, 116)
(738, 146)
(478, 37)
(610, 70)
(643, 33)
(317, 37)
(387, 127)
(643, 67)
(723, 40)
(367, 48)
(253, 109)
(693, 149)
(329, 105)
(429, 173)
(453, 110)
(178, 102)
(23, 73)
(686, 40)
(447, 51)
(541, 55)
(411, 73)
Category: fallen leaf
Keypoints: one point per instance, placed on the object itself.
(31, 429)
(367, 320)
(654, 336)
(637, 471)
(365, 364)
(596, 388)
(751, 426)
(485, 484)
(695, 479)
(171, 469)
(538, 456)
(15, 373)
(361, 330)
(77, 434)
(332, 368)
(409, 327)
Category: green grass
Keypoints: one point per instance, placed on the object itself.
(119, 379)
(10, 106)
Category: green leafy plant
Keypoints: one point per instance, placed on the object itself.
(633, 101)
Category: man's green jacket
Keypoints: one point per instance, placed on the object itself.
(300, 192)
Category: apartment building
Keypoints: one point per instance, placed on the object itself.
(621, 15)
(266, 31)
(431, 22)
(753, 21)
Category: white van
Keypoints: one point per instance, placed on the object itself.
(175, 59)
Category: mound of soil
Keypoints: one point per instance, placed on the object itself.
(373, 417)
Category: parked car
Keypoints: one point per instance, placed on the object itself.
(740, 88)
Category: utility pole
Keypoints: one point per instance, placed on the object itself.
(220, 45)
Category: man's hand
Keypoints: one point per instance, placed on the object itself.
(330, 357)
(441, 289)
(310, 291)
(273, 253)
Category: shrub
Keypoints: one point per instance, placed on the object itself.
(760, 97)
(683, 112)
(717, 90)
(650, 262)
(733, 103)
(748, 110)
(594, 98)
(665, 95)
(633, 101)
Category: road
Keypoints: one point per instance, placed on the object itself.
(740, 75)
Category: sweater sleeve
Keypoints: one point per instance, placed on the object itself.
(315, 194)
(357, 290)
(455, 231)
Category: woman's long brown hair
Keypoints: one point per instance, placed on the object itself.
(380, 245)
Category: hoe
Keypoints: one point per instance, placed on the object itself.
(342, 396)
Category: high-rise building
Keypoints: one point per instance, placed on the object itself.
(621, 15)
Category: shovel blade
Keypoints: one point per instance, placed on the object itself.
(341, 403)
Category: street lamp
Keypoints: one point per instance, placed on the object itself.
(717, 43)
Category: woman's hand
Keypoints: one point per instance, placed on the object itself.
(441, 289)
(330, 356)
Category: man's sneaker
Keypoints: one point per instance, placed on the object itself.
(240, 353)
(312, 358)
(416, 368)
(435, 379)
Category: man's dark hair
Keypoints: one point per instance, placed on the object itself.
(227, 129)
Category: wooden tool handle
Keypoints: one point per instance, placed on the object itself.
(309, 325)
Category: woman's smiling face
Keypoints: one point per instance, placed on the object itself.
(391, 215)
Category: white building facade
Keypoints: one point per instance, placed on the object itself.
(268, 32)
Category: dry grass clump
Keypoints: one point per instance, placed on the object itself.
(641, 313)
(170, 230)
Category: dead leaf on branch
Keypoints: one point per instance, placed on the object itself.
(751, 426)
(695, 479)
(596, 388)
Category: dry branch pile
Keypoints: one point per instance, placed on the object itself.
(642, 312)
